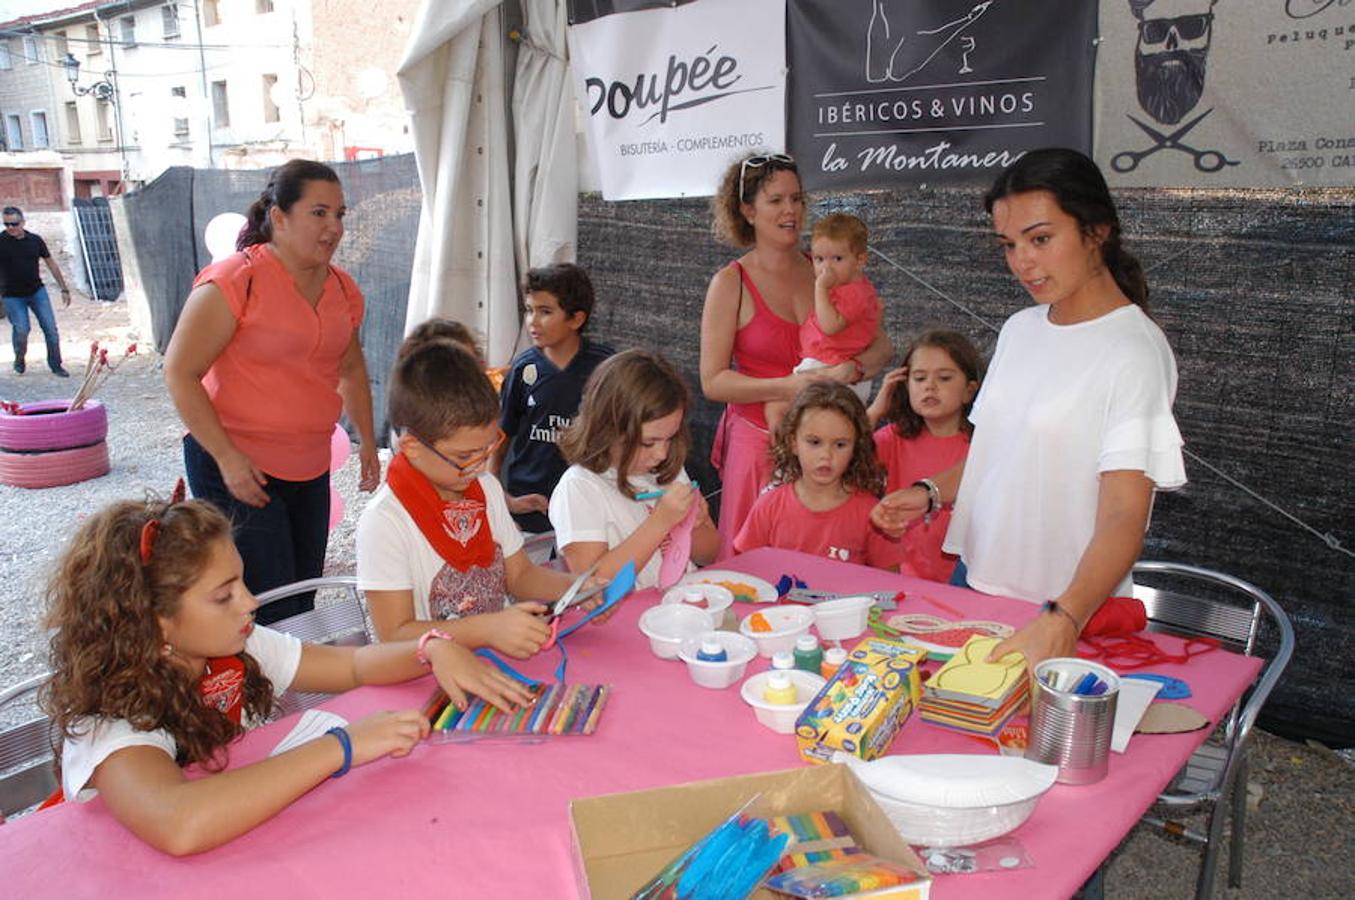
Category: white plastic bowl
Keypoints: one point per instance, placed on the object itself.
(788, 623)
(842, 619)
(711, 599)
(780, 717)
(739, 650)
(935, 826)
(668, 626)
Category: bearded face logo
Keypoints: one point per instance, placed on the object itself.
(1169, 64)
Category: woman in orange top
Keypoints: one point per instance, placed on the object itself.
(264, 358)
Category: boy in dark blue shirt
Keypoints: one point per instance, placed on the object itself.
(542, 391)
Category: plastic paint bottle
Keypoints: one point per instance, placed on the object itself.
(783, 660)
(808, 653)
(712, 651)
(779, 689)
(833, 658)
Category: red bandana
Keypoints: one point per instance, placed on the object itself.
(222, 686)
(457, 529)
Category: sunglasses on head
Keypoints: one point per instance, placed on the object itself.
(1188, 28)
(757, 162)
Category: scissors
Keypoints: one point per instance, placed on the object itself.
(575, 594)
(1205, 160)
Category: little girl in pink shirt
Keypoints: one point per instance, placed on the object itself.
(928, 432)
(827, 480)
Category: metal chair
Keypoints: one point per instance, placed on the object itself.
(26, 773)
(1232, 611)
(342, 623)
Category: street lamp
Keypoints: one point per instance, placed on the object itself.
(102, 90)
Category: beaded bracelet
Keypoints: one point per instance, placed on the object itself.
(347, 743)
(421, 654)
(1052, 606)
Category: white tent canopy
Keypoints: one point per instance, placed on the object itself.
(474, 236)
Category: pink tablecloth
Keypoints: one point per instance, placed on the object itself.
(491, 820)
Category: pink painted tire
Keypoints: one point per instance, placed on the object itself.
(46, 425)
(51, 468)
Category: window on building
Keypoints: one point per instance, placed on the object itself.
(104, 114)
(221, 108)
(93, 46)
(32, 50)
(14, 132)
(5, 62)
(263, 6)
(211, 13)
(127, 24)
(72, 122)
(62, 44)
(271, 113)
(169, 19)
(41, 140)
(179, 99)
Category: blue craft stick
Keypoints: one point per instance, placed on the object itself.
(1086, 684)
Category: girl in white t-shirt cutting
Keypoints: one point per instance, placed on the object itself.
(157, 663)
(626, 493)
(1073, 428)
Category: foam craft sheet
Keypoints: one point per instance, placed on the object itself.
(312, 724)
(1134, 700)
(1170, 718)
(677, 551)
(967, 674)
(762, 591)
(953, 780)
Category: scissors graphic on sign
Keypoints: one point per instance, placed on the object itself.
(1205, 160)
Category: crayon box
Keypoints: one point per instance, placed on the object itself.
(863, 706)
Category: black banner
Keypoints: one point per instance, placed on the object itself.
(887, 92)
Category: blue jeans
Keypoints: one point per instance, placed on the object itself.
(17, 309)
(280, 543)
(960, 577)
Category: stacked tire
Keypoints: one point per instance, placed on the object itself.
(46, 445)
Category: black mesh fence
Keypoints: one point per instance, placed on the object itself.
(1256, 292)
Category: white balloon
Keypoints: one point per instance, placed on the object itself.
(220, 234)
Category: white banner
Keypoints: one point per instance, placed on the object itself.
(672, 96)
(1203, 93)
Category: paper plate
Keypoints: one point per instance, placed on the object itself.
(955, 780)
(737, 583)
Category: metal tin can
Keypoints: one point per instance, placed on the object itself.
(1068, 729)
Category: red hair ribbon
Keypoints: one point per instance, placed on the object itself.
(151, 529)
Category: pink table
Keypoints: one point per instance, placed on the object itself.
(492, 819)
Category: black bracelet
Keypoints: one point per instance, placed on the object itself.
(1052, 606)
(347, 743)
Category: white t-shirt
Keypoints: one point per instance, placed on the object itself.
(393, 554)
(587, 507)
(1061, 404)
(278, 656)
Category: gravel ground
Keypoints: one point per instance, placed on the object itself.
(1303, 797)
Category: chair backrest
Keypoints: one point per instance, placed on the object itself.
(1231, 610)
(26, 774)
(342, 623)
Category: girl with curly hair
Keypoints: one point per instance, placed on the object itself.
(157, 664)
(827, 478)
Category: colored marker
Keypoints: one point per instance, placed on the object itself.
(1086, 684)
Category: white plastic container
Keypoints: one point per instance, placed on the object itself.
(739, 650)
(842, 619)
(780, 717)
(667, 626)
(711, 599)
(788, 623)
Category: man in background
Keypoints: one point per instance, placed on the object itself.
(23, 290)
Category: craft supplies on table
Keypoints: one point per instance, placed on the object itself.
(1072, 718)
(717, 673)
(971, 695)
(776, 628)
(775, 708)
(843, 618)
(808, 654)
(745, 588)
(669, 624)
(556, 710)
(862, 875)
(862, 707)
(710, 599)
(939, 637)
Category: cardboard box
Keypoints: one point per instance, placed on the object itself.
(864, 704)
(621, 841)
